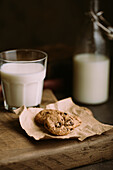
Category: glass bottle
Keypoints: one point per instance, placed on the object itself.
(91, 63)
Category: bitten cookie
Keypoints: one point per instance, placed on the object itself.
(60, 123)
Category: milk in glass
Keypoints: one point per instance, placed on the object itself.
(22, 83)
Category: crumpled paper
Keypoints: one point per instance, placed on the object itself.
(89, 126)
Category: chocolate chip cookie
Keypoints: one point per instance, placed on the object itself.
(42, 115)
(60, 123)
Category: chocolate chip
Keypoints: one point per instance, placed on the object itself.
(65, 113)
(46, 125)
(69, 123)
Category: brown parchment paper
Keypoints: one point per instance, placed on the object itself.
(89, 126)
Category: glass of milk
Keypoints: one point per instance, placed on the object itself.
(22, 77)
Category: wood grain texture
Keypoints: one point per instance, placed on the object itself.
(19, 151)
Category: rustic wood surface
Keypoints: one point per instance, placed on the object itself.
(19, 151)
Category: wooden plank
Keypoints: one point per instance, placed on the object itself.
(17, 150)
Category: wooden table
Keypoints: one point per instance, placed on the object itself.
(103, 113)
(19, 151)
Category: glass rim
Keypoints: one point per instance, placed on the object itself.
(23, 50)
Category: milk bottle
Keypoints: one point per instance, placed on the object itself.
(91, 62)
(91, 78)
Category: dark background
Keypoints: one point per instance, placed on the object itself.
(50, 25)
(30, 23)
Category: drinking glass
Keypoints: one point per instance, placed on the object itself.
(22, 77)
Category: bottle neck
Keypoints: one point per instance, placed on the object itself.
(94, 6)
